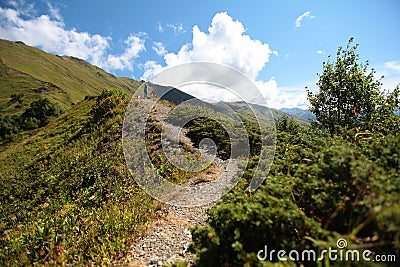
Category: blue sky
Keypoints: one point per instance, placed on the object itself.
(279, 44)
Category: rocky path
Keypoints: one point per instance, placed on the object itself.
(168, 238)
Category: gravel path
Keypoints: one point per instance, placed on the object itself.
(168, 238)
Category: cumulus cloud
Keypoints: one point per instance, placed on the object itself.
(151, 68)
(300, 18)
(50, 34)
(278, 97)
(210, 92)
(224, 43)
(159, 48)
(320, 52)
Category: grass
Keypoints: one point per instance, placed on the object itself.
(67, 196)
(65, 80)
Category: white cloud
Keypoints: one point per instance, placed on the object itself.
(393, 65)
(210, 92)
(177, 28)
(23, 8)
(391, 72)
(300, 18)
(279, 97)
(159, 48)
(54, 12)
(151, 68)
(225, 43)
(320, 52)
(50, 34)
(160, 27)
(135, 45)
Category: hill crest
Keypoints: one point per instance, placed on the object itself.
(35, 74)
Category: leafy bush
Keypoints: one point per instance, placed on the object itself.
(106, 103)
(241, 226)
(287, 124)
(319, 189)
(201, 128)
(39, 113)
(16, 98)
(9, 126)
(350, 96)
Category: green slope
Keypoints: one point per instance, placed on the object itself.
(66, 193)
(35, 73)
(265, 114)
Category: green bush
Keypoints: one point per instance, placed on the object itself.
(39, 113)
(241, 226)
(319, 189)
(106, 103)
(9, 126)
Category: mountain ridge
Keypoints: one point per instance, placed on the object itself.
(176, 97)
(66, 80)
(33, 74)
(298, 112)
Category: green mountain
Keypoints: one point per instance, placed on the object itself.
(246, 110)
(298, 112)
(168, 93)
(35, 74)
(66, 194)
(264, 113)
(68, 198)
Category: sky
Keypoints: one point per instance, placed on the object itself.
(280, 45)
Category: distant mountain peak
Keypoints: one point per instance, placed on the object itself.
(298, 112)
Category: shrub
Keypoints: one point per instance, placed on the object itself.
(9, 126)
(106, 103)
(319, 189)
(40, 113)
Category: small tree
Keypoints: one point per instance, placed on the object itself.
(349, 95)
(287, 124)
(39, 113)
(386, 118)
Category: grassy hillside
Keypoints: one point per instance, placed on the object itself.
(263, 113)
(67, 195)
(34, 73)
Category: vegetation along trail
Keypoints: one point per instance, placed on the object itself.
(168, 238)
